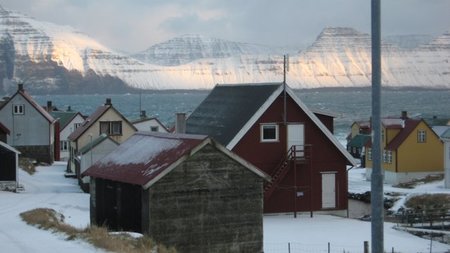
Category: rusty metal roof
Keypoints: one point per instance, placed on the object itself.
(144, 156)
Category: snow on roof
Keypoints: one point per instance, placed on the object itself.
(144, 156)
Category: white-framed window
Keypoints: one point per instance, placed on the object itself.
(269, 132)
(389, 156)
(19, 109)
(369, 154)
(76, 125)
(64, 145)
(421, 136)
(385, 156)
(154, 129)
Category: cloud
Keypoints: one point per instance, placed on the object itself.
(135, 25)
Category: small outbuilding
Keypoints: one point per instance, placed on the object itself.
(9, 164)
(185, 191)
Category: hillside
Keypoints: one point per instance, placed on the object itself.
(58, 59)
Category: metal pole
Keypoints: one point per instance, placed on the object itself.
(284, 89)
(377, 175)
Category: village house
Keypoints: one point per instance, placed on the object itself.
(33, 131)
(152, 124)
(9, 165)
(91, 153)
(410, 150)
(269, 126)
(358, 138)
(105, 120)
(185, 191)
(68, 121)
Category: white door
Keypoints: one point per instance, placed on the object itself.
(296, 136)
(328, 190)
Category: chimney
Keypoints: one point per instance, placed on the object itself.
(143, 114)
(404, 114)
(20, 87)
(69, 108)
(108, 101)
(180, 123)
(49, 106)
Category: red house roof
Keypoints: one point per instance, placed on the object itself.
(146, 157)
(409, 126)
(4, 129)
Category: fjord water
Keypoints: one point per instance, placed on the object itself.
(346, 104)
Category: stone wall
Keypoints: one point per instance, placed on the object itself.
(209, 203)
(40, 153)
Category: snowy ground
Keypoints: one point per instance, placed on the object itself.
(49, 188)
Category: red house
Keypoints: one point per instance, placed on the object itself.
(269, 126)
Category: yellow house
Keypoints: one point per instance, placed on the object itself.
(105, 120)
(411, 149)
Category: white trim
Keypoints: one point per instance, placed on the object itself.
(261, 132)
(308, 112)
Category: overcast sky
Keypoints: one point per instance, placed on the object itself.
(134, 25)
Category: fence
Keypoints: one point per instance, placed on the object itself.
(293, 247)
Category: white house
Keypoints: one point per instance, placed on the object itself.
(151, 124)
(68, 121)
(32, 129)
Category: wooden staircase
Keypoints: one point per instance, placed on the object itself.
(295, 154)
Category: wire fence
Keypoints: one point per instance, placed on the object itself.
(293, 247)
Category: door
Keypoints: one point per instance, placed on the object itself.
(328, 190)
(296, 136)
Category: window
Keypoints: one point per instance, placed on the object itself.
(111, 127)
(385, 156)
(269, 133)
(369, 154)
(389, 156)
(421, 136)
(76, 125)
(154, 129)
(18, 109)
(64, 145)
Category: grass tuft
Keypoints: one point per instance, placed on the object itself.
(27, 165)
(100, 237)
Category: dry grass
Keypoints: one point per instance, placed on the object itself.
(429, 202)
(27, 165)
(100, 237)
(428, 179)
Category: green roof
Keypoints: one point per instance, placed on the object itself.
(64, 117)
(359, 140)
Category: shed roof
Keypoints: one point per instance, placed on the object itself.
(4, 146)
(146, 157)
(95, 142)
(360, 140)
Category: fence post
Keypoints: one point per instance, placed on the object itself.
(366, 247)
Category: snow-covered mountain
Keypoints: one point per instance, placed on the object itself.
(51, 58)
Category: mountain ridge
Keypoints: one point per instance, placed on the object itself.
(54, 58)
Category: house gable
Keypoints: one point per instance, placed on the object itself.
(414, 156)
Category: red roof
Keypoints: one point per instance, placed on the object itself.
(409, 126)
(4, 129)
(145, 157)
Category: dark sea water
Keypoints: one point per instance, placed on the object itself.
(348, 104)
